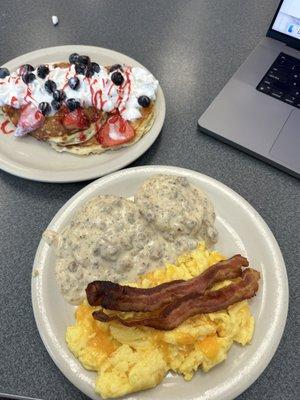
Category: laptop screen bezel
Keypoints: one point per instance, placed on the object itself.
(289, 40)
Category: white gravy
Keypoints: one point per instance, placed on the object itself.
(112, 238)
(181, 212)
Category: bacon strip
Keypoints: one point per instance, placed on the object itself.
(125, 298)
(175, 313)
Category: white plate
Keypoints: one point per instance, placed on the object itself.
(28, 158)
(241, 229)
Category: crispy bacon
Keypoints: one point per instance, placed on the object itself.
(175, 313)
(125, 298)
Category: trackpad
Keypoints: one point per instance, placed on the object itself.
(286, 147)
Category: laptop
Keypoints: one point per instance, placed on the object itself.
(258, 110)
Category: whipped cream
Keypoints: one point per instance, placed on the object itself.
(98, 91)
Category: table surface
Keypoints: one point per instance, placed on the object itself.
(192, 47)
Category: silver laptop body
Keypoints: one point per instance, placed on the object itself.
(255, 122)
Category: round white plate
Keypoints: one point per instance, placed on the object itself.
(241, 230)
(29, 158)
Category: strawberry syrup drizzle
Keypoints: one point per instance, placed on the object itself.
(93, 100)
(98, 96)
(120, 98)
(22, 71)
(109, 90)
(3, 127)
(67, 77)
(13, 101)
(128, 82)
(98, 131)
(28, 94)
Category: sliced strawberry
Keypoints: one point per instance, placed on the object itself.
(76, 120)
(30, 119)
(115, 131)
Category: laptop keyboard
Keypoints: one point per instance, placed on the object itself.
(282, 80)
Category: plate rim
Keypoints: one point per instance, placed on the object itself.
(134, 152)
(243, 382)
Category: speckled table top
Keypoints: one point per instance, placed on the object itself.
(192, 47)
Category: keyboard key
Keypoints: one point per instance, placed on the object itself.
(276, 93)
(278, 77)
(282, 80)
(294, 84)
(289, 99)
(277, 70)
(296, 69)
(285, 61)
(295, 75)
(267, 81)
(264, 88)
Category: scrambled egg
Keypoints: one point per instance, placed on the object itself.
(137, 358)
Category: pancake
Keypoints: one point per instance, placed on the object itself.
(141, 126)
(52, 129)
(79, 137)
(105, 109)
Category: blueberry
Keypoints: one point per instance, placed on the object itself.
(50, 86)
(44, 107)
(73, 58)
(89, 71)
(80, 69)
(72, 104)
(59, 95)
(144, 101)
(28, 77)
(74, 83)
(26, 68)
(117, 78)
(42, 71)
(85, 60)
(4, 72)
(55, 105)
(96, 67)
(115, 67)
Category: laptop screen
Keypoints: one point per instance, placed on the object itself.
(287, 20)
